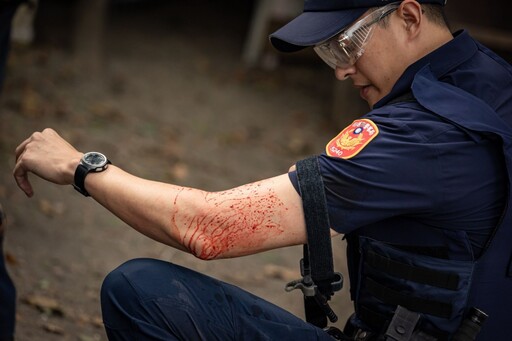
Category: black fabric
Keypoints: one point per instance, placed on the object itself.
(80, 174)
(317, 221)
(430, 277)
(406, 97)
(314, 313)
(389, 296)
(431, 251)
(7, 299)
(372, 318)
(318, 260)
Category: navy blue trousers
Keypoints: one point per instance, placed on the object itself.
(147, 299)
(7, 300)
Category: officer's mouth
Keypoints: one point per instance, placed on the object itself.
(363, 91)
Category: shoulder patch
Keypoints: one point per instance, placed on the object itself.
(352, 139)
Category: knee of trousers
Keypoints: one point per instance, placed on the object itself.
(131, 292)
(126, 288)
(118, 295)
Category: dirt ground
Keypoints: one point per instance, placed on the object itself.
(171, 103)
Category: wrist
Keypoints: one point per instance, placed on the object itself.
(71, 169)
(92, 162)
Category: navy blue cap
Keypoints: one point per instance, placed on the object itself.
(322, 19)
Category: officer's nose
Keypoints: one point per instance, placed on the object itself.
(343, 73)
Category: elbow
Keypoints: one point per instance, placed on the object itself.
(193, 229)
(206, 248)
(205, 243)
(205, 233)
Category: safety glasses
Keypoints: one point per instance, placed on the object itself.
(346, 47)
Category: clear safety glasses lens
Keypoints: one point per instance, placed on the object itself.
(345, 48)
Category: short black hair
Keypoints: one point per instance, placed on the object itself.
(436, 14)
(433, 12)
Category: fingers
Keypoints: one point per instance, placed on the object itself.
(20, 171)
(21, 178)
(37, 136)
(48, 156)
(21, 148)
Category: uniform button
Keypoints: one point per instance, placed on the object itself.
(400, 330)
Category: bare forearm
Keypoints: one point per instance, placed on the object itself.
(244, 220)
(144, 205)
(240, 221)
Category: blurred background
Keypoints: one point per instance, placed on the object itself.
(188, 92)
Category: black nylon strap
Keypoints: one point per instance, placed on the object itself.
(317, 261)
(319, 247)
(441, 279)
(414, 303)
(313, 313)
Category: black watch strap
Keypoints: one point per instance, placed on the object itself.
(80, 174)
(79, 180)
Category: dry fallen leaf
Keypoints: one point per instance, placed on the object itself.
(95, 321)
(50, 209)
(45, 304)
(84, 337)
(54, 329)
(10, 259)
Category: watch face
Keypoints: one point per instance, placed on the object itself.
(95, 159)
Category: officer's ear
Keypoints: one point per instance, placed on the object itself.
(411, 14)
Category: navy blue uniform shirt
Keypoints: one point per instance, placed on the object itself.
(420, 172)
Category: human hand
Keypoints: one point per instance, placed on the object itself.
(48, 156)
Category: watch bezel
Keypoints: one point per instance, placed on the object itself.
(94, 166)
(85, 167)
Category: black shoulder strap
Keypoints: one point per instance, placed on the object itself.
(319, 246)
(319, 281)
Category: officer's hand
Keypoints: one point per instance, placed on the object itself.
(47, 155)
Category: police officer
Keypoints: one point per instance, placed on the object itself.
(418, 186)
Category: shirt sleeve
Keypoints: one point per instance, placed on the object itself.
(394, 174)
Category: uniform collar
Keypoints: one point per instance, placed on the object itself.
(442, 61)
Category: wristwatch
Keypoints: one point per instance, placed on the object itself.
(90, 162)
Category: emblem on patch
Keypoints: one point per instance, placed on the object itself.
(352, 139)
